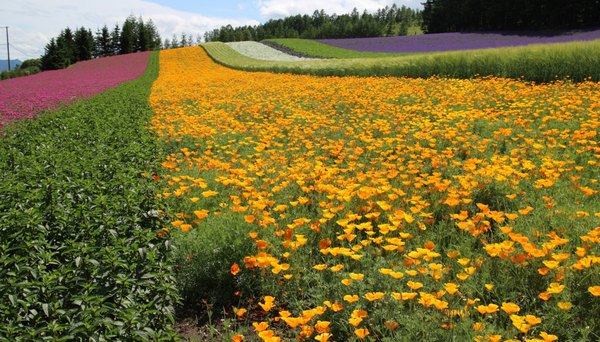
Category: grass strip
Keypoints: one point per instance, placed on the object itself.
(79, 254)
(576, 61)
(316, 49)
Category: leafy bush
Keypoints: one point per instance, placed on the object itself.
(79, 255)
(19, 72)
(34, 62)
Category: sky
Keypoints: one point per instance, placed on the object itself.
(33, 22)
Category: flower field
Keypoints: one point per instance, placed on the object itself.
(343, 208)
(458, 41)
(261, 51)
(24, 97)
(575, 61)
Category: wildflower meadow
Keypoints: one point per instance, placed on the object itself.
(236, 193)
(380, 208)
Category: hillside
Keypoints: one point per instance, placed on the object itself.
(231, 192)
(575, 61)
(25, 97)
(456, 41)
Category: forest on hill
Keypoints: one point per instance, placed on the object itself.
(487, 15)
(388, 21)
(435, 17)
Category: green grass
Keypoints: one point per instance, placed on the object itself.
(316, 49)
(79, 255)
(577, 61)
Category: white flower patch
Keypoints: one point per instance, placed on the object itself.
(261, 51)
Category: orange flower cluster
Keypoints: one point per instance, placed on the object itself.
(369, 189)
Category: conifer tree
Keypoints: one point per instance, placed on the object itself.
(115, 40)
(52, 59)
(84, 44)
(128, 39)
(102, 40)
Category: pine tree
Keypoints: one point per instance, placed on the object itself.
(154, 41)
(174, 42)
(166, 44)
(102, 40)
(115, 40)
(52, 59)
(142, 37)
(84, 44)
(127, 42)
(66, 46)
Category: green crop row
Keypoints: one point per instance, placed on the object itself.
(577, 61)
(80, 257)
(316, 49)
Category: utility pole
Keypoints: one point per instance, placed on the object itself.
(7, 45)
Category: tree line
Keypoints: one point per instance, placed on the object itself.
(73, 46)
(181, 41)
(486, 15)
(388, 21)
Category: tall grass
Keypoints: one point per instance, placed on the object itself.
(576, 61)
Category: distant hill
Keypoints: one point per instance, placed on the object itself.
(13, 64)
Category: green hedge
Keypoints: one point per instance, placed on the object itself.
(79, 253)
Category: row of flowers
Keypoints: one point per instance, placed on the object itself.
(24, 97)
(389, 207)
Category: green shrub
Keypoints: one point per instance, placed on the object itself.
(19, 72)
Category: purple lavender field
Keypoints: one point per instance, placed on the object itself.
(459, 41)
(24, 97)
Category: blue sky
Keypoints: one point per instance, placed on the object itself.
(33, 22)
(223, 8)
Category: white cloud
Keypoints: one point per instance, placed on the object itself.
(283, 8)
(33, 23)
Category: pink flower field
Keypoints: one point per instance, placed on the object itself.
(24, 97)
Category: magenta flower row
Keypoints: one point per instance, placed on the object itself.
(24, 97)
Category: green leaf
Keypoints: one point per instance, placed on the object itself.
(12, 299)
